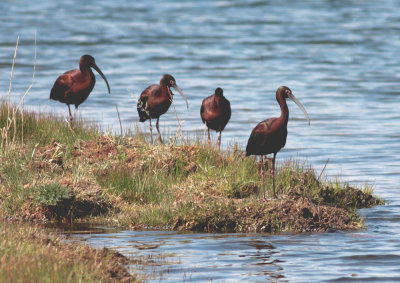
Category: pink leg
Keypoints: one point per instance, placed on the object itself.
(262, 176)
(204, 134)
(70, 115)
(273, 174)
(151, 132)
(158, 130)
(219, 141)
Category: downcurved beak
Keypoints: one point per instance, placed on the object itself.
(175, 86)
(294, 99)
(102, 75)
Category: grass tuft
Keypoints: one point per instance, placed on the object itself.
(51, 194)
(43, 129)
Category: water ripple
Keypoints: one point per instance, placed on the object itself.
(340, 58)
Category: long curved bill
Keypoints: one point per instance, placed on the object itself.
(181, 93)
(294, 99)
(102, 75)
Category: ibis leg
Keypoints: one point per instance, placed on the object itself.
(158, 130)
(209, 140)
(219, 140)
(273, 174)
(262, 175)
(204, 134)
(70, 115)
(151, 132)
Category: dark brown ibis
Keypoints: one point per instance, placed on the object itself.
(155, 100)
(215, 112)
(73, 87)
(269, 136)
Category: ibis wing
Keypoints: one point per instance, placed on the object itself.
(257, 139)
(61, 87)
(142, 105)
(207, 110)
(228, 109)
(202, 109)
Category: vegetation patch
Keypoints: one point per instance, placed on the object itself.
(32, 254)
(57, 173)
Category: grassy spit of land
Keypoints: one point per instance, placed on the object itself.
(49, 172)
(32, 254)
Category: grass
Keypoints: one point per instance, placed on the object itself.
(30, 254)
(52, 172)
(51, 194)
(43, 129)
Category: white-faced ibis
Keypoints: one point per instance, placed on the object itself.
(215, 113)
(73, 87)
(269, 136)
(155, 100)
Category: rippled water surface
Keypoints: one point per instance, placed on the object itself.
(340, 58)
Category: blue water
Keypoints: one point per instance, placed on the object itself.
(340, 58)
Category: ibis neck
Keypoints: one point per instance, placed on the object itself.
(217, 98)
(284, 110)
(85, 70)
(168, 91)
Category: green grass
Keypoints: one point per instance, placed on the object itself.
(42, 129)
(51, 194)
(52, 171)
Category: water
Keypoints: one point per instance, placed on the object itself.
(340, 58)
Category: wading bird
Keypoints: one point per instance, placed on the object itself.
(155, 100)
(215, 113)
(73, 87)
(269, 136)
